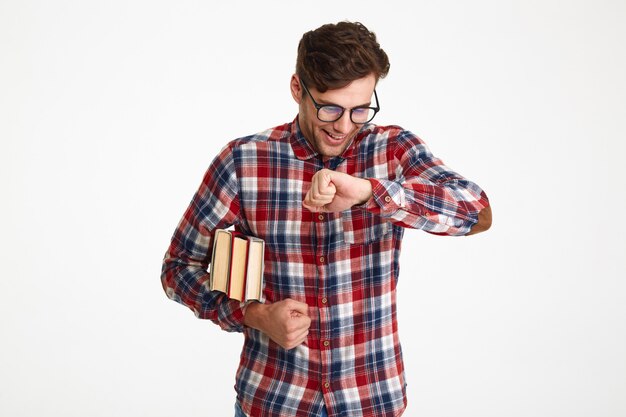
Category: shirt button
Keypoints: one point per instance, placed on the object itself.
(326, 385)
(326, 343)
(324, 300)
(388, 199)
(321, 217)
(322, 259)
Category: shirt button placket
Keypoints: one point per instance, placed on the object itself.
(321, 220)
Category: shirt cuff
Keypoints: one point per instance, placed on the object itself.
(387, 197)
(231, 316)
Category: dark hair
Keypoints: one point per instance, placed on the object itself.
(334, 55)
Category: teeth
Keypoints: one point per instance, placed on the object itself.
(335, 137)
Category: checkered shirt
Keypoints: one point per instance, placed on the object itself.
(344, 266)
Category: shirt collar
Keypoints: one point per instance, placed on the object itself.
(303, 149)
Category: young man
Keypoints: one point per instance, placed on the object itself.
(331, 194)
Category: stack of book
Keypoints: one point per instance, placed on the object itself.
(237, 265)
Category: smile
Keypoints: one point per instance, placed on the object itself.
(336, 137)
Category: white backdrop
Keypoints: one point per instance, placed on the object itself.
(111, 111)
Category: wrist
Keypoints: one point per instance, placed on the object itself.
(365, 191)
(252, 314)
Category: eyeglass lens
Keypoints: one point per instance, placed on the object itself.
(333, 113)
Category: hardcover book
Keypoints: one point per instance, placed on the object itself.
(237, 265)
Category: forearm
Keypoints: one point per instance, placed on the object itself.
(450, 207)
(421, 192)
(187, 282)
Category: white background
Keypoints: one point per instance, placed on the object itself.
(110, 112)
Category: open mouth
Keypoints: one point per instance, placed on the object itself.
(335, 138)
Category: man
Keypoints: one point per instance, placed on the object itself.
(331, 194)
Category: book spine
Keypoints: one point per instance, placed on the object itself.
(230, 263)
(234, 235)
(245, 274)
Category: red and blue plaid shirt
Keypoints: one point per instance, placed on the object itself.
(344, 266)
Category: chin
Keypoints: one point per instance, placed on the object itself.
(332, 149)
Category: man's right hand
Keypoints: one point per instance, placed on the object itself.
(286, 322)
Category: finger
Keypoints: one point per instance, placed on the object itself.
(298, 307)
(314, 208)
(320, 200)
(293, 342)
(315, 181)
(303, 336)
(328, 190)
(314, 204)
(323, 185)
(298, 325)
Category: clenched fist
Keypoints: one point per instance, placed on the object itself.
(286, 322)
(333, 191)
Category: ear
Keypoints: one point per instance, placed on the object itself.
(296, 88)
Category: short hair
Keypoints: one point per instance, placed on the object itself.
(334, 55)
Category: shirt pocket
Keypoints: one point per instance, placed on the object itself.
(362, 228)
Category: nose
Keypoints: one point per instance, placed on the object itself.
(344, 124)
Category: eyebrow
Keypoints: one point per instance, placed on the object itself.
(327, 103)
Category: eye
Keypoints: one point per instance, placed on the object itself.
(362, 114)
(331, 110)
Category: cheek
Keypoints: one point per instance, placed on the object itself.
(309, 118)
(316, 124)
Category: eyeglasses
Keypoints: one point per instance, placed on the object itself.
(332, 113)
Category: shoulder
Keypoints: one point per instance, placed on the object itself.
(247, 146)
(390, 136)
(275, 134)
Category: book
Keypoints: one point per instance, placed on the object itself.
(256, 255)
(237, 265)
(220, 261)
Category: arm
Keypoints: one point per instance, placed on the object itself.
(428, 195)
(185, 278)
(484, 221)
(184, 274)
(425, 193)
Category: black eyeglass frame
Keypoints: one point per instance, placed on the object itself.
(343, 109)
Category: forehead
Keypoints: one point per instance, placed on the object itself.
(356, 93)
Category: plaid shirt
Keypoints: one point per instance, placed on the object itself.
(344, 266)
